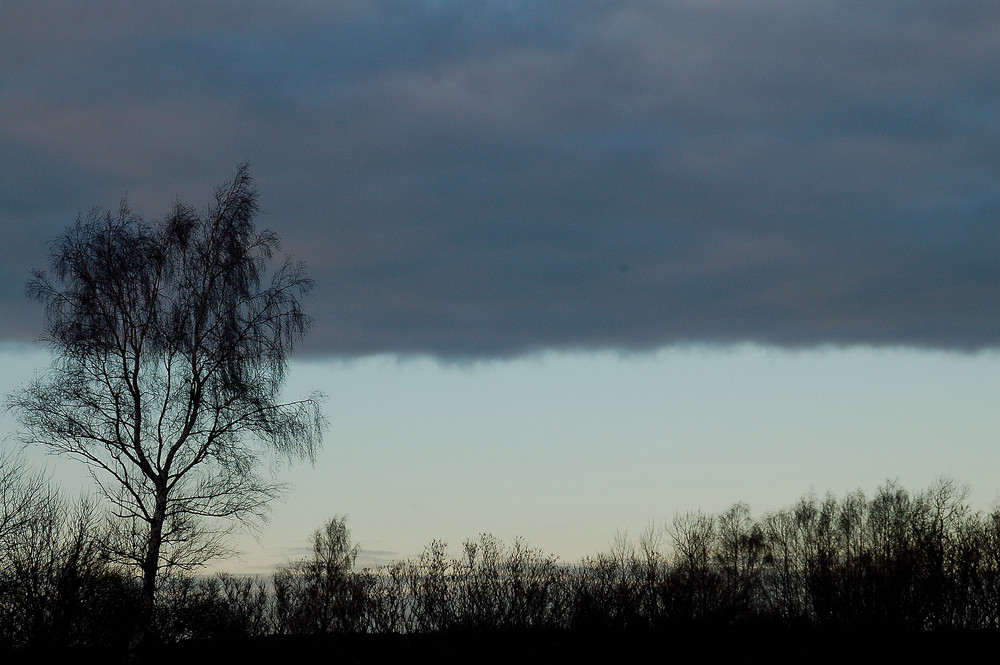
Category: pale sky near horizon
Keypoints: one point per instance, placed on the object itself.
(567, 450)
(579, 264)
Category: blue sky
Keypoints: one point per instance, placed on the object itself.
(578, 264)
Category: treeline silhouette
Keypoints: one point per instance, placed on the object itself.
(894, 561)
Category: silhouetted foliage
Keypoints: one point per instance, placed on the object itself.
(894, 561)
(170, 348)
(885, 564)
(222, 606)
(321, 594)
(57, 589)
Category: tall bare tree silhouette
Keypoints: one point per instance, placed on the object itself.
(170, 343)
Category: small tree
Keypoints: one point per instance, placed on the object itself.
(320, 594)
(170, 351)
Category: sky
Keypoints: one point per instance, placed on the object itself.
(579, 265)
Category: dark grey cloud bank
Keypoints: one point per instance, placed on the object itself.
(476, 179)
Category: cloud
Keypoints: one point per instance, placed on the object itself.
(490, 179)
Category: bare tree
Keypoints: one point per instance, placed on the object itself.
(20, 494)
(321, 594)
(170, 344)
(695, 536)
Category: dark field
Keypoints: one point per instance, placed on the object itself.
(770, 645)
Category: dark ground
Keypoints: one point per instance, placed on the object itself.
(522, 648)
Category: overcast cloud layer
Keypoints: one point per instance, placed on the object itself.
(480, 179)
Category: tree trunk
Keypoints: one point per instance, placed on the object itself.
(150, 567)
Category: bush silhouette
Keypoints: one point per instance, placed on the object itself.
(893, 561)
